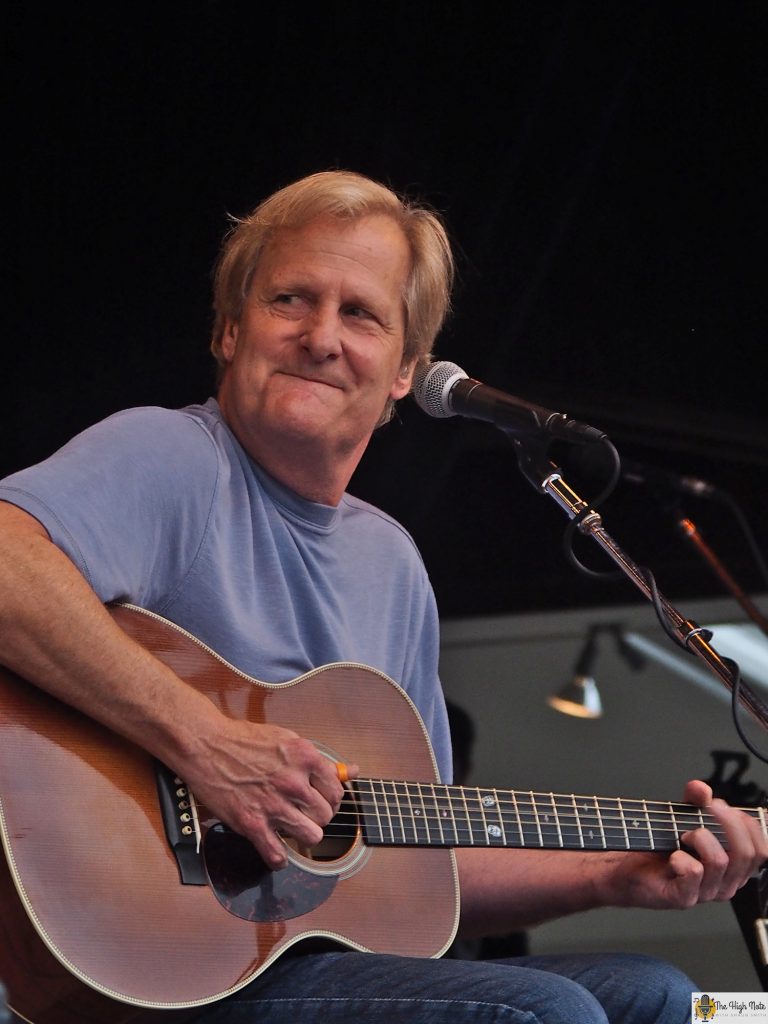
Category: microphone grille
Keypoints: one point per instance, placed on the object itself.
(432, 386)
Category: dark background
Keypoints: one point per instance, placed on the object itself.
(601, 169)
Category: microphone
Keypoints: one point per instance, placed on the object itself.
(666, 480)
(443, 389)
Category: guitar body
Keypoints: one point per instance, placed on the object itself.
(96, 925)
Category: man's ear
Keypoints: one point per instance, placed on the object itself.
(403, 381)
(229, 340)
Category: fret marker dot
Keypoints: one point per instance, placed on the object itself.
(495, 831)
(488, 801)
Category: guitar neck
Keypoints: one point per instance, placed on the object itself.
(396, 813)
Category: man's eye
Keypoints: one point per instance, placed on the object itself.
(291, 303)
(358, 313)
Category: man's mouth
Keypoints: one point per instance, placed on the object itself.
(313, 380)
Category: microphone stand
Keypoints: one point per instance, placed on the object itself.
(547, 478)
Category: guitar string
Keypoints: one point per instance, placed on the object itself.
(546, 814)
(628, 818)
(439, 790)
(615, 827)
(541, 803)
(409, 836)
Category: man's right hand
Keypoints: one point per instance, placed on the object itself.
(263, 782)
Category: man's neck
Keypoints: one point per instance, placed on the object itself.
(311, 482)
(310, 470)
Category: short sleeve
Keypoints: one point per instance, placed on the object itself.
(128, 501)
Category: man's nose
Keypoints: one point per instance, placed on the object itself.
(322, 333)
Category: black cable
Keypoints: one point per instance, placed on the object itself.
(736, 707)
(737, 685)
(572, 526)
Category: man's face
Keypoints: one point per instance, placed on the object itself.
(318, 349)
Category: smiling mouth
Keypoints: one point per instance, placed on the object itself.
(312, 380)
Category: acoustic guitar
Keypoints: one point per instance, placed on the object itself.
(124, 900)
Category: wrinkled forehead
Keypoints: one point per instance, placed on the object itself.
(373, 250)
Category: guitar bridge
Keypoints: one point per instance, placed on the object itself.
(182, 828)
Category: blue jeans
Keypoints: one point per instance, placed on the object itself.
(340, 987)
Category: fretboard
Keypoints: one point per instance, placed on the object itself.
(395, 813)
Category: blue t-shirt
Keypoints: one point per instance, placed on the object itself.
(164, 509)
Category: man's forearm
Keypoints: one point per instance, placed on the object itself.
(56, 633)
(505, 890)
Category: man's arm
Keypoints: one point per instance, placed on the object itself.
(502, 890)
(56, 633)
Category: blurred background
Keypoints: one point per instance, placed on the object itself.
(599, 168)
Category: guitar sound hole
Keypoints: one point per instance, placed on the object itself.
(340, 834)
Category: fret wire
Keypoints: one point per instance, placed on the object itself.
(578, 821)
(386, 786)
(445, 811)
(600, 820)
(557, 820)
(481, 805)
(451, 797)
(498, 809)
(386, 821)
(488, 802)
(504, 812)
(500, 812)
(650, 830)
(437, 814)
(376, 809)
(424, 811)
(530, 833)
(536, 816)
(676, 829)
(518, 818)
(448, 812)
(612, 821)
(470, 830)
(396, 795)
(413, 816)
(543, 817)
(623, 823)
(388, 809)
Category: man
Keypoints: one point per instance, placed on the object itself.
(232, 520)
